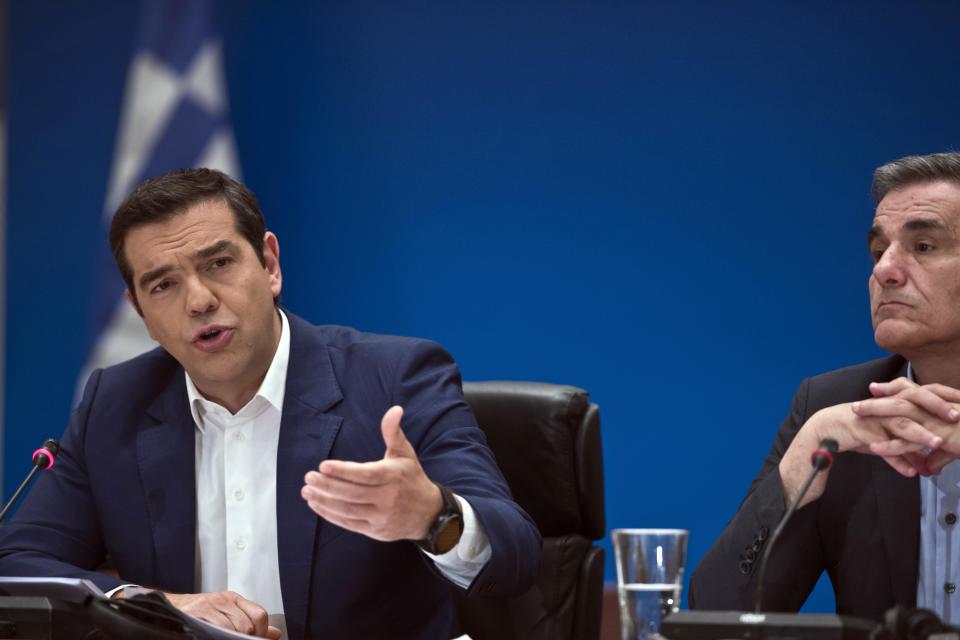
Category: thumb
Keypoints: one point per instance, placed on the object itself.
(397, 444)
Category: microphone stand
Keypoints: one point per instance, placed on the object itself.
(717, 625)
(821, 459)
(42, 459)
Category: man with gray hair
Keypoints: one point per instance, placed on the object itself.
(883, 522)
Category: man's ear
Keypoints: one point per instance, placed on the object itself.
(132, 301)
(271, 261)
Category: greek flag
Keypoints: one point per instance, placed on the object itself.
(175, 114)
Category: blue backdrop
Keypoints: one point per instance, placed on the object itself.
(665, 203)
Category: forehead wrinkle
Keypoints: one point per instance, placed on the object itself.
(938, 200)
(155, 248)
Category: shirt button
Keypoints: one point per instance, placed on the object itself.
(238, 494)
(238, 435)
(241, 544)
(949, 587)
(950, 518)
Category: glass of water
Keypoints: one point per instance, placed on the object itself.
(649, 577)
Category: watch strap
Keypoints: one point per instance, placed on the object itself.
(445, 532)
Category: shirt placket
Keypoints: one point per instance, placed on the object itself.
(948, 533)
(237, 460)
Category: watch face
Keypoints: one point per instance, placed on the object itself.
(446, 530)
(449, 536)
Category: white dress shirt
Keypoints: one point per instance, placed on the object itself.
(236, 471)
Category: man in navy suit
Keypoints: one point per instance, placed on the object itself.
(240, 468)
(885, 535)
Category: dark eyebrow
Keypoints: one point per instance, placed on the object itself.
(214, 249)
(922, 224)
(150, 276)
(925, 225)
(206, 252)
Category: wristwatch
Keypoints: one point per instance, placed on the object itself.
(444, 533)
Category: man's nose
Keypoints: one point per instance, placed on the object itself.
(889, 270)
(200, 298)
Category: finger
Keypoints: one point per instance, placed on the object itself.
(938, 399)
(217, 618)
(256, 615)
(330, 485)
(234, 610)
(901, 465)
(343, 508)
(907, 429)
(894, 447)
(206, 606)
(274, 633)
(358, 526)
(893, 387)
(397, 444)
(372, 474)
(925, 398)
(947, 393)
(897, 417)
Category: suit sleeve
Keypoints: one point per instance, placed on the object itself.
(726, 577)
(56, 531)
(453, 452)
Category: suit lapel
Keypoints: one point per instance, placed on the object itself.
(165, 453)
(898, 504)
(307, 433)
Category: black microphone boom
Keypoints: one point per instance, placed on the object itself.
(821, 459)
(717, 625)
(42, 459)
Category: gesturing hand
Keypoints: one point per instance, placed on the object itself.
(228, 610)
(389, 499)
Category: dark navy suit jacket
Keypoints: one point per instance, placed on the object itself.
(864, 531)
(124, 484)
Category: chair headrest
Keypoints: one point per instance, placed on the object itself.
(546, 439)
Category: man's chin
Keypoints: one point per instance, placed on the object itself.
(896, 339)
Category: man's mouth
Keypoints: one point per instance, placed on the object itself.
(891, 305)
(212, 337)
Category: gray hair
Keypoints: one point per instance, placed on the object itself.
(915, 170)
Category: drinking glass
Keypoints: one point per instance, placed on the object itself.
(649, 577)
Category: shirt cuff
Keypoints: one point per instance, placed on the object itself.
(133, 589)
(464, 562)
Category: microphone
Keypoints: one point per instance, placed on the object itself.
(43, 458)
(821, 459)
(45, 455)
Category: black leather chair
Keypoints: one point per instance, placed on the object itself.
(546, 439)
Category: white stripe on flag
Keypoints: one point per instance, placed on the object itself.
(171, 118)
